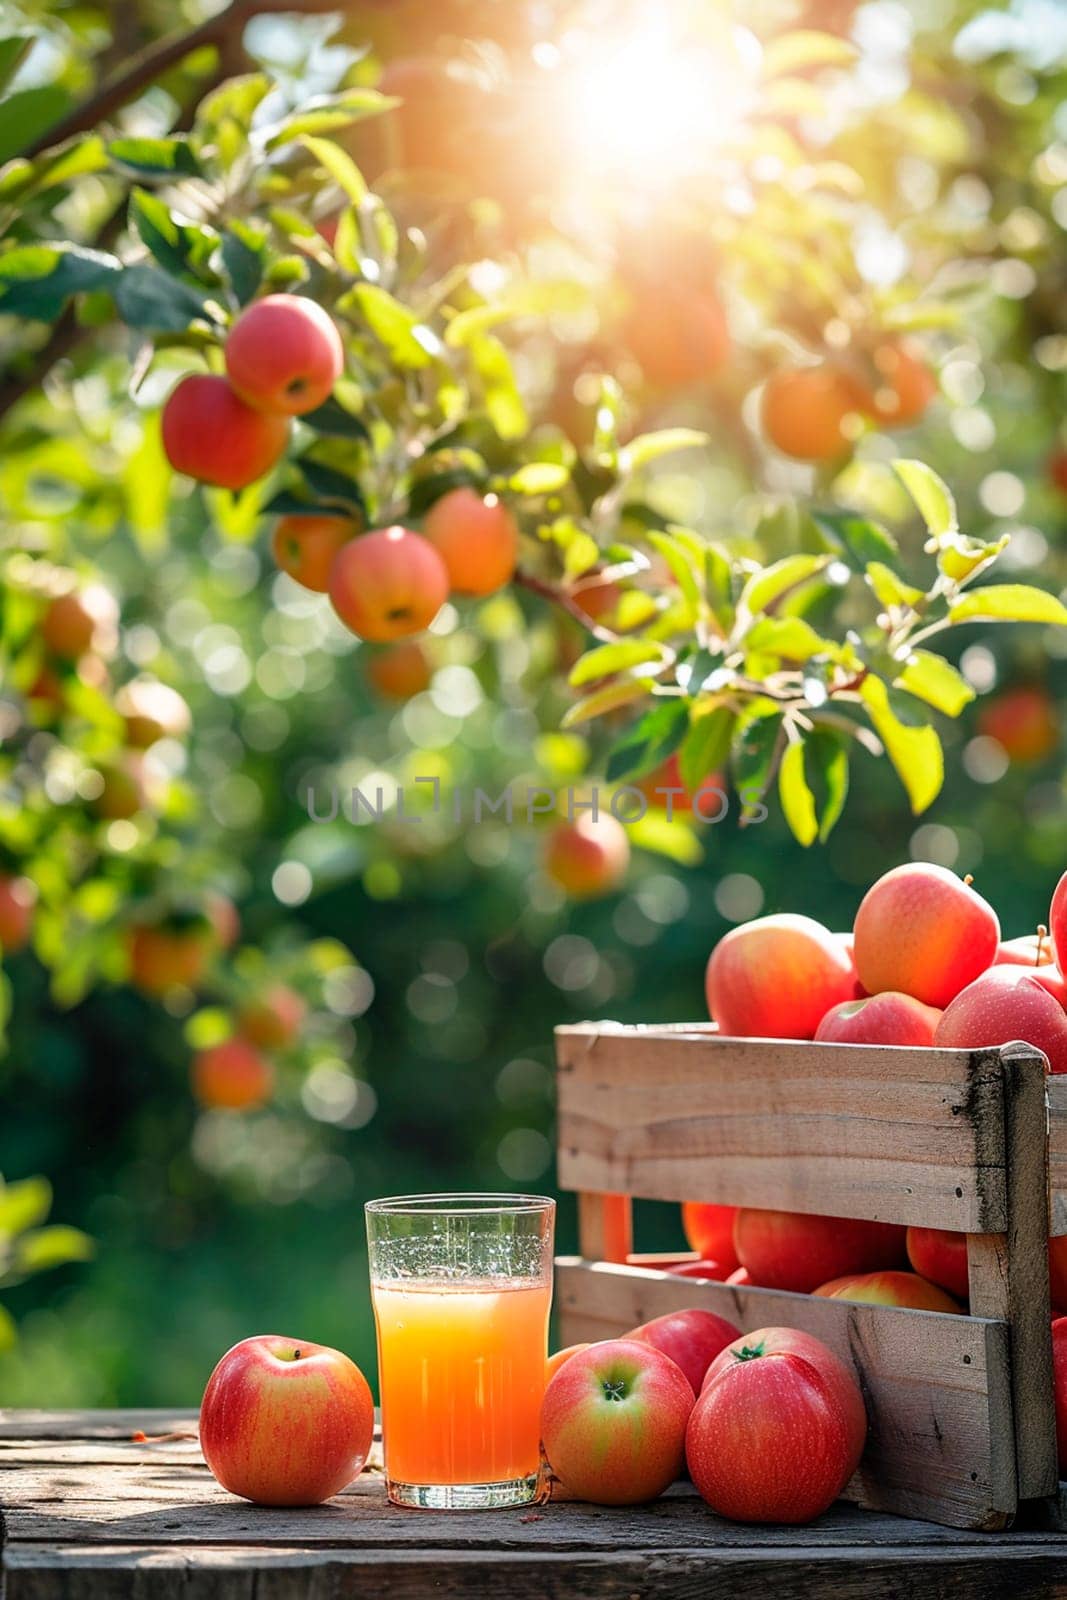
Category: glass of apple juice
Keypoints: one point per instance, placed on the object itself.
(462, 1285)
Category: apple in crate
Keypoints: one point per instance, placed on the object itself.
(1005, 1004)
(777, 977)
(613, 1422)
(556, 1360)
(889, 1289)
(778, 1429)
(940, 1256)
(709, 1230)
(285, 1422)
(1059, 1378)
(691, 1339)
(886, 1018)
(788, 1250)
(923, 931)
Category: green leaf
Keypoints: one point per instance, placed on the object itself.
(610, 658)
(37, 280)
(407, 341)
(706, 746)
(769, 585)
(51, 1247)
(425, 492)
(340, 166)
(675, 839)
(540, 299)
(177, 246)
(1007, 602)
(932, 497)
(802, 49)
(13, 52)
(889, 589)
(961, 559)
(650, 446)
(787, 638)
(539, 477)
(288, 504)
(331, 418)
(935, 680)
(155, 158)
(581, 555)
(327, 483)
(24, 1204)
(650, 741)
(610, 698)
(503, 402)
(858, 539)
(915, 753)
(329, 113)
(27, 115)
(826, 759)
(798, 802)
(7, 1329)
(75, 158)
(677, 558)
(244, 256)
(147, 298)
(754, 754)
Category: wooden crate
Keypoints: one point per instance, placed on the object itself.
(960, 1407)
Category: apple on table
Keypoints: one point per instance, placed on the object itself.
(285, 1422)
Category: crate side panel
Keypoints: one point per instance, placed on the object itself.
(909, 1136)
(937, 1387)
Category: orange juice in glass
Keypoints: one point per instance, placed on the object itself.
(462, 1286)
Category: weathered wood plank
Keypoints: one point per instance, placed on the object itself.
(937, 1387)
(1026, 1120)
(910, 1136)
(26, 1423)
(1020, 1572)
(1056, 1092)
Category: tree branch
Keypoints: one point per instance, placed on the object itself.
(566, 602)
(165, 53)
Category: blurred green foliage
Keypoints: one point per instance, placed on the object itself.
(909, 172)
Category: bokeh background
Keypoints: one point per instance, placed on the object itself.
(433, 1067)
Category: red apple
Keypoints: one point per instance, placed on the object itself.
(776, 978)
(846, 941)
(889, 1289)
(284, 1422)
(555, 1361)
(788, 1250)
(713, 1270)
(210, 434)
(18, 902)
(387, 584)
(1057, 1271)
(1006, 1003)
(923, 931)
(886, 1018)
(778, 1429)
(692, 1339)
(709, 1230)
(1057, 922)
(613, 1422)
(941, 1256)
(272, 1019)
(589, 856)
(1059, 1378)
(284, 354)
(1029, 950)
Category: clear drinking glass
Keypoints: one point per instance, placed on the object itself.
(462, 1285)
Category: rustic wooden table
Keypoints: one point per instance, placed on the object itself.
(91, 1512)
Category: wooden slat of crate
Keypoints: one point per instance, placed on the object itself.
(912, 1136)
(1056, 1089)
(937, 1387)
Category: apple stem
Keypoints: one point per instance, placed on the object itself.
(749, 1352)
(1042, 935)
(969, 879)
